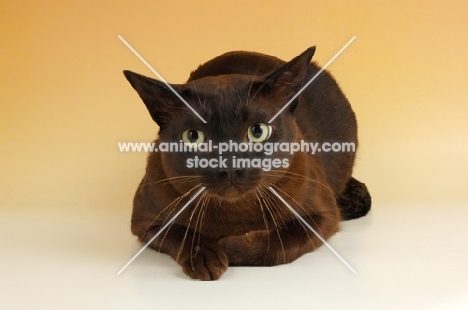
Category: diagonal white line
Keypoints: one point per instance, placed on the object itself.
(161, 78)
(313, 230)
(311, 80)
(161, 230)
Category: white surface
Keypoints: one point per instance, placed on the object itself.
(407, 257)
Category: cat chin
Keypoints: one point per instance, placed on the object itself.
(230, 193)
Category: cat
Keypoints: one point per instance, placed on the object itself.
(237, 220)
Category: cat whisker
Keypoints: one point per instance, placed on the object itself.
(273, 204)
(198, 223)
(258, 196)
(207, 203)
(275, 222)
(183, 178)
(298, 176)
(194, 210)
(298, 204)
(174, 205)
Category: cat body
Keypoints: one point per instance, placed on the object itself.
(237, 219)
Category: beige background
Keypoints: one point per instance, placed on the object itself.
(65, 103)
(66, 191)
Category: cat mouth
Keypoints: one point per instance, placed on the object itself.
(233, 186)
(230, 192)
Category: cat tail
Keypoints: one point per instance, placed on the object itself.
(355, 201)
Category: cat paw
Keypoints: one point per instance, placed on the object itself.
(206, 263)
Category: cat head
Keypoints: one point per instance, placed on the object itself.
(237, 110)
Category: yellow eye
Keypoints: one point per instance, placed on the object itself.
(259, 132)
(192, 137)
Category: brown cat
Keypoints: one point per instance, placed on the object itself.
(237, 220)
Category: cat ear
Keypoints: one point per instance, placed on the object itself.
(286, 81)
(159, 100)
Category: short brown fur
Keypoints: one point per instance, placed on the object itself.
(237, 220)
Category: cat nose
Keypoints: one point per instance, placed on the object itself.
(230, 174)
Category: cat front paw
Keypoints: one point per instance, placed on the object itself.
(206, 262)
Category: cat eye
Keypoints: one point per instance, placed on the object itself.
(193, 137)
(259, 132)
